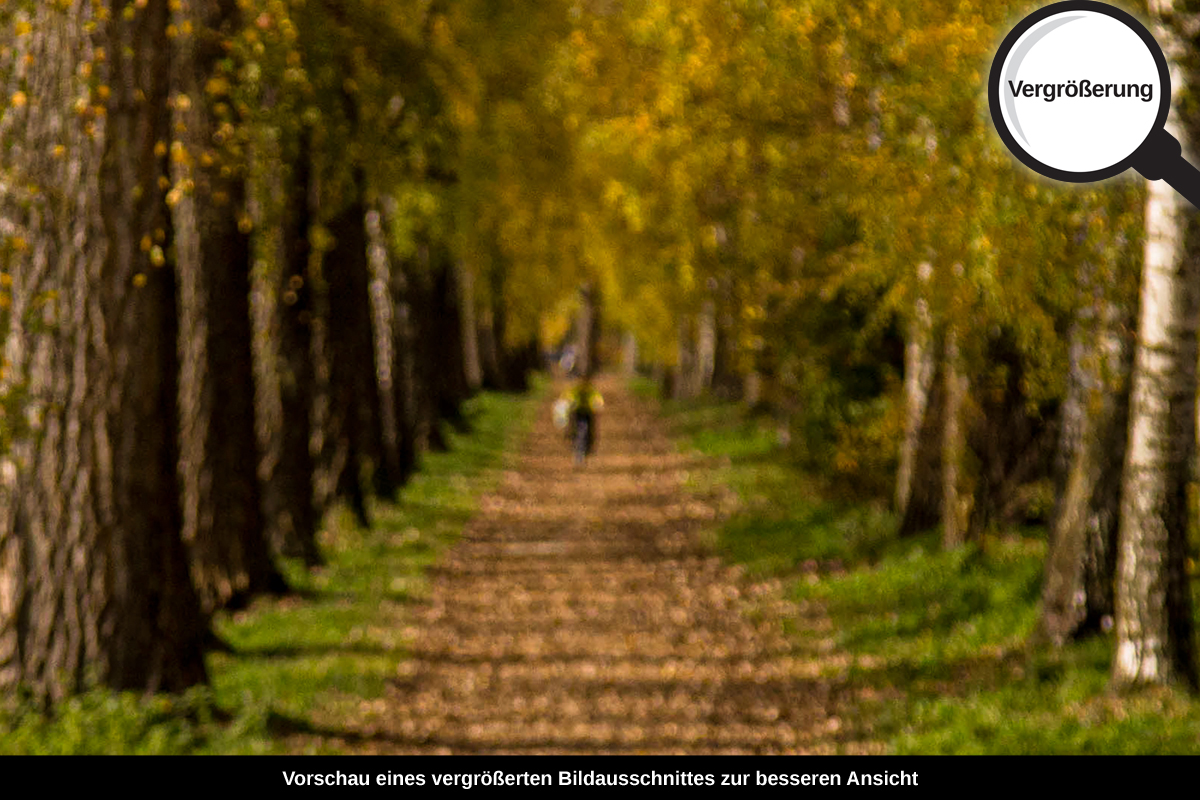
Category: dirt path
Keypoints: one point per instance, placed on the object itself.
(579, 615)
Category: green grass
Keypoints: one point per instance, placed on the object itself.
(308, 660)
(787, 519)
(936, 641)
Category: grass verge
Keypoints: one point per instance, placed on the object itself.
(935, 641)
(308, 661)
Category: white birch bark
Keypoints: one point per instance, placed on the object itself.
(1153, 631)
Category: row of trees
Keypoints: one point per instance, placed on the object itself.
(232, 296)
(806, 205)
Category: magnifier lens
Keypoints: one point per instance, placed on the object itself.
(1080, 91)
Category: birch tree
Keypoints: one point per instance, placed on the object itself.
(1155, 635)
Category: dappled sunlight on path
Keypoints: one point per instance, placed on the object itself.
(580, 614)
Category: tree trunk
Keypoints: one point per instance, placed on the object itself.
(1010, 445)
(918, 382)
(1077, 596)
(472, 369)
(727, 379)
(520, 362)
(954, 515)
(452, 303)
(353, 434)
(706, 347)
(1155, 635)
(588, 362)
(1154, 621)
(629, 354)
(924, 508)
(385, 332)
(222, 517)
(439, 343)
(1154, 625)
(93, 575)
(1081, 381)
(684, 383)
(291, 503)
(489, 353)
(404, 375)
(264, 203)
(504, 368)
(424, 336)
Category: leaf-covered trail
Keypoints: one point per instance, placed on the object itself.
(579, 614)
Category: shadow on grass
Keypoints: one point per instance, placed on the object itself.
(314, 650)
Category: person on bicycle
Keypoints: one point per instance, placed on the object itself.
(583, 402)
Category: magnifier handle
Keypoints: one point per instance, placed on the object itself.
(1161, 157)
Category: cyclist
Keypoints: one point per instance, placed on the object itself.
(583, 402)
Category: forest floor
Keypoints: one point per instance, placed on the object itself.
(581, 612)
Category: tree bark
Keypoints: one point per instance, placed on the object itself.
(489, 353)
(629, 354)
(516, 361)
(404, 374)
(1010, 445)
(683, 386)
(472, 368)
(727, 379)
(354, 432)
(919, 365)
(424, 337)
(265, 203)
(93, 575)
(924, 508)
(1154, 627)
(1077, 595)
(291, 505)
(437, 303)
(706, 347)
(954, 516)
(504, 368)
(452, 302)
(1155, 634)
(386, 332)
(589, 331)
(222, 516)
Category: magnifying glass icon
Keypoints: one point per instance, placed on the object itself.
(1079, 92)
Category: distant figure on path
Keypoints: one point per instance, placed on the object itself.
(583, 403)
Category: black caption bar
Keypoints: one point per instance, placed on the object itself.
(551, 776)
